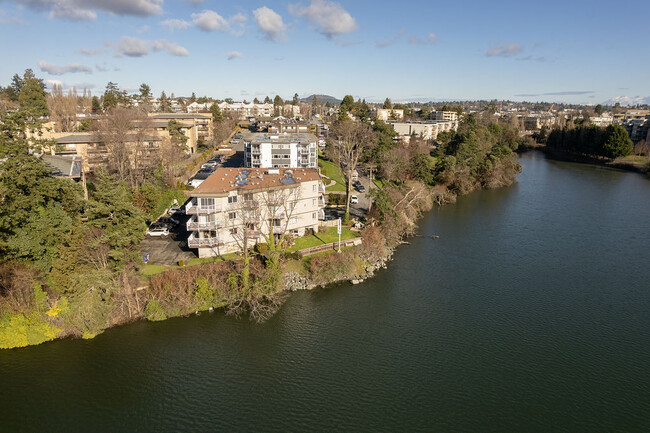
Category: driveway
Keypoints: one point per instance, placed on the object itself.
(169, 250)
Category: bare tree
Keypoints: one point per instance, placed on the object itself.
(63, 108)
(351, 141)
(244, 228)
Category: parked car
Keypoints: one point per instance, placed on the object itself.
(361, 188)
(167, 220)
(176, 209)
(354, 199)
(162, 232)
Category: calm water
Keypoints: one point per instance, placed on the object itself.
(530, 313)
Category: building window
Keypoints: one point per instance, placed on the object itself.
(248, 197)
(313, 188)
(232, 215)
(275, 222)
(233, 231)
(313, 215)
(232, 199)
(207, 203)
(313, 202)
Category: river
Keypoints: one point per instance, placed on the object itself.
(530, 313)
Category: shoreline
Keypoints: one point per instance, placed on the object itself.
(619, 163)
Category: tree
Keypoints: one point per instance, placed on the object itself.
(295, 99)
(352, 141)
(164, 103)
(145, 92)
(113, 96)
(96, 107)
(387, 104)
(216, 112)
(256, 101)
(63, 108)
(277, 101)
(347, 103)
(598, 109)
(193, 97)
(617, 142)
(267, 100)
(228, 101)
(33, 103)
(14, 88)
(175, 132)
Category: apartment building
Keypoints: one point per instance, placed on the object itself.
(94, 153)
(638, 128)
(281, 151)
(427, 130)
(237, 206)
(246, 110)
(202, 122)
(388, 114)
(292, 126)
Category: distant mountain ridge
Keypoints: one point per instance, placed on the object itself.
(628, 100)
(323, 99)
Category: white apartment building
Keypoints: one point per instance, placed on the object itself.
(281, 151)
(237, 206)
(388, 114)
(427, 130)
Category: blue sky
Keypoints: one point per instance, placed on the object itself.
(565, 51)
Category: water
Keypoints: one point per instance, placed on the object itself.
(531, 312)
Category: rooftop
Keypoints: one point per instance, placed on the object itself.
(284, 137)
(179, 115)
(224, 180)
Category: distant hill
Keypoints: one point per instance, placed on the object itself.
(626, 100)
(323, 99)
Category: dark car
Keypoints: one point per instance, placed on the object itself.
(361, 188)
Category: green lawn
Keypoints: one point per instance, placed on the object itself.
(333, 171)
(378, 183)
(324, 237)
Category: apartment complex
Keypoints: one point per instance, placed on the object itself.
(281, 151)
(282, 125)
(202, 122)
(388, 114)
(236, 207)
(427, 130)
(246, 110)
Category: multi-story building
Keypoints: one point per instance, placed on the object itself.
(281, 151)
(637, 129)
(202, 122)
(282, 125)
(388, 114)
(451, 116)
(237, 207)
(427, 130)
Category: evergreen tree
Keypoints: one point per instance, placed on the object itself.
(164, 103)
(617, 142)
(267, 100)
(295, 99)
(387, 104)
(33, 103)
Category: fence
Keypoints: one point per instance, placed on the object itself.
(332, 246)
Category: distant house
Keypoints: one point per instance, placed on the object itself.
(236, 204)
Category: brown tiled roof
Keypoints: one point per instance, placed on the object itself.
(224, 180)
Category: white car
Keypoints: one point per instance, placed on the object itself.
(354, 199)
(158, 231)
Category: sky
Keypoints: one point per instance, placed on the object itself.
(570, 51)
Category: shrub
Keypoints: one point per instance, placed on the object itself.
(154, 311)
(181, 263)
(261, 248)
(203, 294)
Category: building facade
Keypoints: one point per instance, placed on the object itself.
(236, 208)
(281, 151)
(428, 130)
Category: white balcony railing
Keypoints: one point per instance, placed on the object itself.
(193, 225)
(194, 242)
(191, 208)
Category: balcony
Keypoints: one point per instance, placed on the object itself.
(194, 242)
(193, 225)
(191, 208)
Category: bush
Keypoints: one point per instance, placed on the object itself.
(261, 248)
(181, 263)
(203, 294)
(19, 330)
(154, 311)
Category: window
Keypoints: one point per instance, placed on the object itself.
(248, 197)
(232, 215)
(232, 199)
(313, 215)
(233, 231)
(313, 187)
(250, 226)
(276, 222)
(207, 203)
(313, 202)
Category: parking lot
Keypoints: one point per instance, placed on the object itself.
(169, 250)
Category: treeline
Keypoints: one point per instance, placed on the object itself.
(610, 142)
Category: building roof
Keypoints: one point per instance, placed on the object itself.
(66, 166)
(284, 137)
(171, 116)
(224, 180)
(92, 138)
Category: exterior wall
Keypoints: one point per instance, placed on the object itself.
(273, 154)
(426, 130)
(388, 114)
(215, 225)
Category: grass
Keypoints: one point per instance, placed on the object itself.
(378, 183)
(324, 237)
(151, 269)
(333, 171)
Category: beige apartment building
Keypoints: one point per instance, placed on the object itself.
(244, 206)
(428, 130)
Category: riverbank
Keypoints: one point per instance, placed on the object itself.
(633, 163)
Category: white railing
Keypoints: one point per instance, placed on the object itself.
(192, 209)
(196, 225)
(193, 242)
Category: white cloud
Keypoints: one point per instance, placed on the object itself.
(210, 21)
(131, 47)
(53, 69)
(628, 100)
(51, 83)
(88, 51)
(6, 19)
(329, 17)
(237, 24)
(135, 47)
(102, 68)
(86, 10)
(143, 29)
(430, 39)
(175, 24)
(270, 23)
(170, 48)
(234, 55)
(507, 50)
